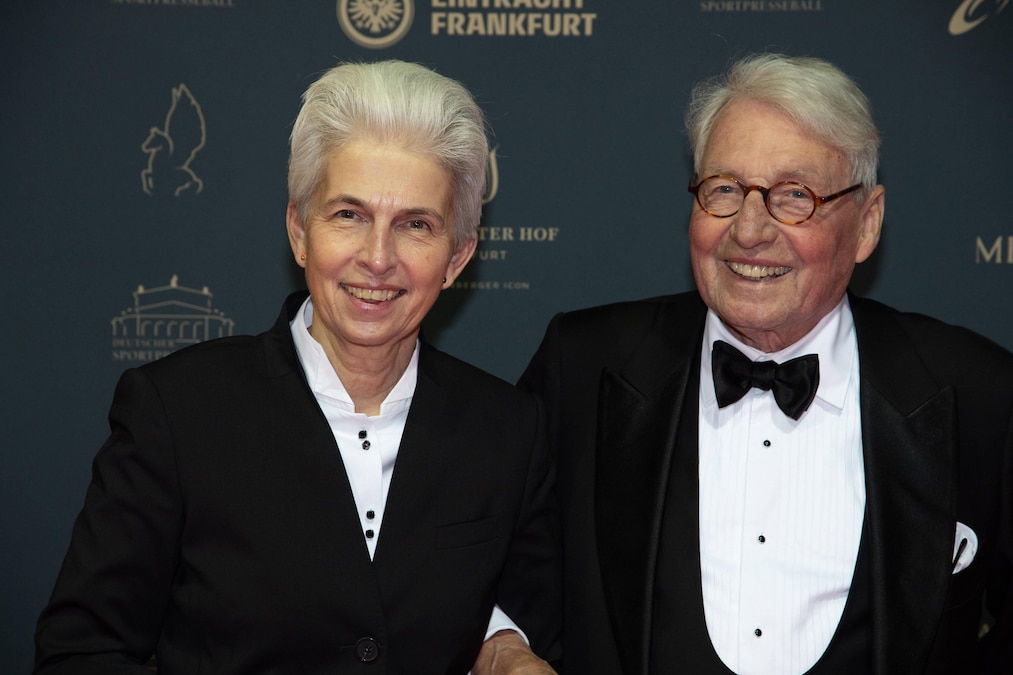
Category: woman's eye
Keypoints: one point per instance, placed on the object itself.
(345, 214)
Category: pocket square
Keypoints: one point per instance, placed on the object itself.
(965, 546)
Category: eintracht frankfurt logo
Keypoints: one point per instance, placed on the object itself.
(375, 24)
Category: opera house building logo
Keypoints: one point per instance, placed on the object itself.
(164, 319)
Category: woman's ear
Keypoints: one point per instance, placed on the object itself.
(459, 260)
(296, 234)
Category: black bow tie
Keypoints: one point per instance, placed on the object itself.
(793, 382)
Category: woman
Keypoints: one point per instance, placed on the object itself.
(334, 494)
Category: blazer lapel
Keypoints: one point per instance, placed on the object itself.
(420, 470)
(909, 431)
(638, 421)
(307, 431)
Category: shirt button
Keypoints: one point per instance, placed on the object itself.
(371, 514)
(766, 444)
(362, 434)
(761, 539)
(757, 632)
(365, 445)
(369, 534)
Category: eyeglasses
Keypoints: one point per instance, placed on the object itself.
(788, 202)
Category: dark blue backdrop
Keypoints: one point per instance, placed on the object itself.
(109, 257)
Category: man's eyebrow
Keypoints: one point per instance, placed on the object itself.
(797, 175)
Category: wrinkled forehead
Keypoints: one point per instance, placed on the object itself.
(755, 141)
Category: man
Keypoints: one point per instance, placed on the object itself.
(845, 512)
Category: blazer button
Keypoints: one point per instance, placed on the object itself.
(367, 649)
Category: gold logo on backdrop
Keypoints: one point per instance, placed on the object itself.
(501, 243)
(514, 18)
(375, 24)
(761, 6)
(998, 251)
(172, 148)
(164, 319)
(970, 13)
(189, 4)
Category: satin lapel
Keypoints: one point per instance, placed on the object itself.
(638, 419)
(909, 431)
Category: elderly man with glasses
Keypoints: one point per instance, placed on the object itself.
(772, 475)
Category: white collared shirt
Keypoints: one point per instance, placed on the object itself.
(781, 506)
(368, 444)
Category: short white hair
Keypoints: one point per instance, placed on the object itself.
(392, 102)
(814, 93)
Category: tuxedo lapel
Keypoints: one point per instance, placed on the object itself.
(638, 420)
(909, 431)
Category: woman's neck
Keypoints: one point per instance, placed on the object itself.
(369, 372)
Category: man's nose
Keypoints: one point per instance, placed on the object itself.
(753, 223)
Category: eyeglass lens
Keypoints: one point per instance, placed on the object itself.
(788, 202)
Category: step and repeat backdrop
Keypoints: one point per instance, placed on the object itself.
(143, 193)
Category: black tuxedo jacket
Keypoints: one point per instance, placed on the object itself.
(220, 531)
(937, 429)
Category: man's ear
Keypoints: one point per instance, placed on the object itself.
(871, 223)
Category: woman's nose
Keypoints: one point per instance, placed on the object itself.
(379, 251)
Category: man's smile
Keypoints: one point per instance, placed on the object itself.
(757, 272)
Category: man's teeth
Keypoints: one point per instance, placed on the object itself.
(372, 294)
(757, 271)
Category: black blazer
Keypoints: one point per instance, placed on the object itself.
(220, 532)
(937, 429)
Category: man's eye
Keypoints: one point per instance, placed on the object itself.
(418, 224)
(345, 214)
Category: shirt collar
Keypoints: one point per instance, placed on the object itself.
(833, 339)
(325, 383)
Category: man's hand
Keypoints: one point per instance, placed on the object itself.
(506, 653)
